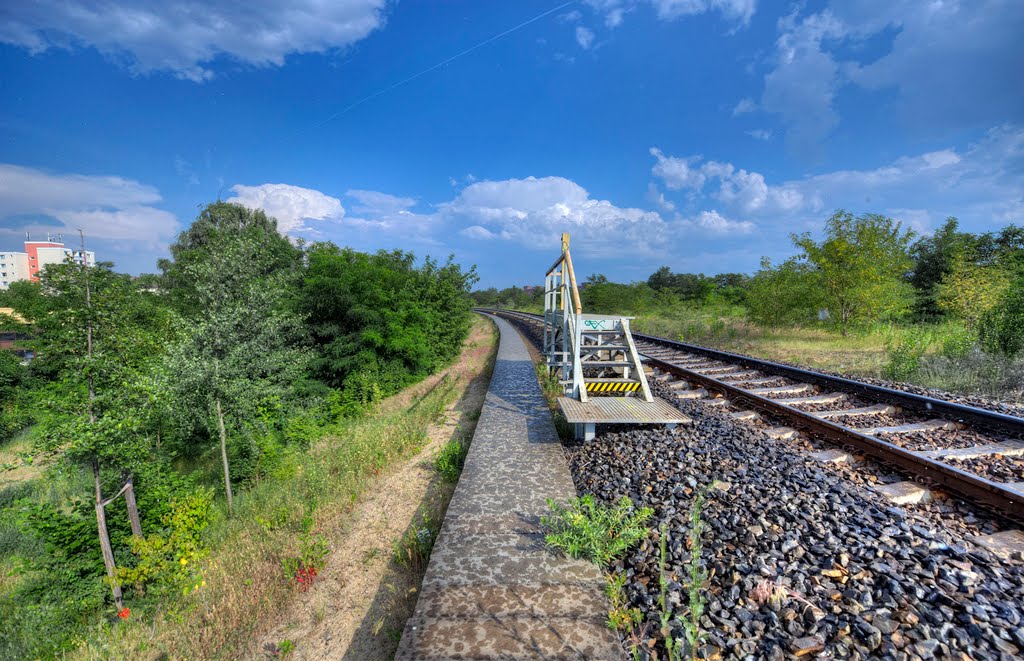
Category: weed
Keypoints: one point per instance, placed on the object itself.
(412, 550)
(549, 384)
(621, 617)
(768, 592)
(450, 458)
(698, 575)
(587, 529)
(284, 649)
(313, 550)
(673, 648)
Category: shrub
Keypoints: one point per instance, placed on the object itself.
(450, 460)
(1001, 329)
(957, 344)
(904, 354)
(587, 529)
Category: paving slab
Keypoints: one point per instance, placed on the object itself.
(492, 590)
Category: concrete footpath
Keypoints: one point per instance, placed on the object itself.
(492, 590)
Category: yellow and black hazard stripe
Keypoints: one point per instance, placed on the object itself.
(613, 387)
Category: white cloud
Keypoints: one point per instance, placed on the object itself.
(292, 206)
(185, 36)
(715, 223)
(740, 11)
(951, 63)
(803, 84)
(760, 134)
(656, 197)
(105, 207)
(571, 16)
(744, 106)
(376, 203)
(478, 232)
(535, 211)
(584, 37)
(983, 184)
(676, 172)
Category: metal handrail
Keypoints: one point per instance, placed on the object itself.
(566, 258)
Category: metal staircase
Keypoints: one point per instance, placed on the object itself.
(596, 360)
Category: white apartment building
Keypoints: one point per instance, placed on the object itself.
(13, 267)
(26, 265)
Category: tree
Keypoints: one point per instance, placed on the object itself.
(1001, 328)
(969, 290)
(784, 294)
(99, 337)
(861, 265)
(381, 320)
(242, 344)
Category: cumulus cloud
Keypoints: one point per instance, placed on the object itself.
(105, 207)
(976, 46)
(584, 37)
(744, 106)
(535, 211)
(983, 184)
(747, 192)
(184, 37)
(657, 198)
(376, 203)
(715, 223)
(739, 11)
(292, 206)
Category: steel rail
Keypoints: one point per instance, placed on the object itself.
(1006, 502)
(992, 420)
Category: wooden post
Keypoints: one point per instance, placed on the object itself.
(108, 552)
(133, 508)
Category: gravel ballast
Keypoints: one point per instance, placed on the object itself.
(880, 580)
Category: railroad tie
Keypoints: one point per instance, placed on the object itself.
(927, 425)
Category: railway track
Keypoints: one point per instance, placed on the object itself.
(966, 450)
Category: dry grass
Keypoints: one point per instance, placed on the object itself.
(243, 591)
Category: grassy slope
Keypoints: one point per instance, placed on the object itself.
(241, 582)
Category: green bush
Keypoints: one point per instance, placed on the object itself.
(904, 353)
(1001, 329)
(957, 343)
(586, 529)
(450, 459)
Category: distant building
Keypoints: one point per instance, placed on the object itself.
(26, 265)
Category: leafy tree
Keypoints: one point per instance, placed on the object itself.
(861, 265)
(1001, 328)
(242, 343)
(784, 294)
(99, 336)
(970, 290)
(377, 319)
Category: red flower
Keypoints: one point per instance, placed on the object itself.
(124, 613)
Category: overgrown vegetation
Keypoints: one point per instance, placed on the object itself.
(186, 429)
(865, 296)
(584, 528)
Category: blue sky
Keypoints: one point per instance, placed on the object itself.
(693, 133)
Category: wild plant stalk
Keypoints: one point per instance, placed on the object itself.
(672, 646)
(698, 576)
